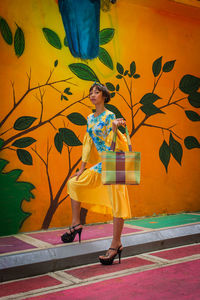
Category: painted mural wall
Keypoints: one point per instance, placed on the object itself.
(148, 57)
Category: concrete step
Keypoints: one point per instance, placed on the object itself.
(42, 252)
(162, 274)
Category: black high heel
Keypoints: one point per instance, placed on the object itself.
(69, 237)
(108, 260)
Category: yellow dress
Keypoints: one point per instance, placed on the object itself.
(88, 189)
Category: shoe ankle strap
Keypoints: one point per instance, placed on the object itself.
(116, 249)
(75, 226)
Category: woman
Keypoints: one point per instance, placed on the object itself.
(85, 185)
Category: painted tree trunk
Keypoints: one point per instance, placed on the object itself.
(49, 215)
(81, 20)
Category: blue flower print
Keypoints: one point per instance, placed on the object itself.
(100, 144)
(108, 122)
(109, 118)
(101, 124)
(98, 132)
(97, 168)
(98, 129)
(89, 130)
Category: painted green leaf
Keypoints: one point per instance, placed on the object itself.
(191, 142)
(24, 122)
(58, 142)
(110, 86)
(122, 129)
(52, 38)
(5, 31)
(150, 109)
(115, 110)
(126, 72)
(194, 99)
(136, 76)
(64, 97)
(55, 63)
(15, 174)
(19, 42)
(77, 119)
(83, 71)
(69, 137)
(67, 91)
(66, 42)
(156, 67)
(13, 193)
(192, 115)
(25, 157)
(119, 76)
(149, 98)
(117, 87)
(105, 58)
(189, 84)
(120, 68)
(132, 68)
(112, 95)
(117, 113)
(175, 149)
(1, 143)
(168, 66)
(164, 154)
(106, 35)
(3, 163)
(24, 142)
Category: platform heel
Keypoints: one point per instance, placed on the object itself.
(119, 251)
(108, 260)
(79, 233)
(69, 237)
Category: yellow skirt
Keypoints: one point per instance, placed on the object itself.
(106, 199)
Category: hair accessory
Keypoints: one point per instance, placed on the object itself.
(97, 83)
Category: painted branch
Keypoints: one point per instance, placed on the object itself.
(25, 94)
(38, 125)
(55, 203)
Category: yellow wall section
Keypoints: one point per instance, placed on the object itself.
(143, 32)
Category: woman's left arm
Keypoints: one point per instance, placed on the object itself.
(112, 126)
(118, 122)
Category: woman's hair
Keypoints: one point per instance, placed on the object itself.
(102, 88)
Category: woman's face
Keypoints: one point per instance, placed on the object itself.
(96, 96)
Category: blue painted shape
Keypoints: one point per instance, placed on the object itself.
(81, 20)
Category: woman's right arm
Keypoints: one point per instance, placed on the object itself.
(87, 145)
(80, 171)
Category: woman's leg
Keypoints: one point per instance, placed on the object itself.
(76, 208)
(118, 224)
(76, 227)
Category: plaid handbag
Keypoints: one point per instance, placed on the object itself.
(120, 167)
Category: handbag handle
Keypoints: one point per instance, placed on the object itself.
(113, 145)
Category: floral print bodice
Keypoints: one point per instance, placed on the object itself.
(99, 128)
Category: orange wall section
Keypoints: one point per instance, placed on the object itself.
(143, 33)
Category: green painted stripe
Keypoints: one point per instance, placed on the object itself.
(165, 221)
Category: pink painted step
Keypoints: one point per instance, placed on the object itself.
(96, 270)
(25, 285)
(11, 244)
(178, 252)
(88, 233)
(177, 282)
